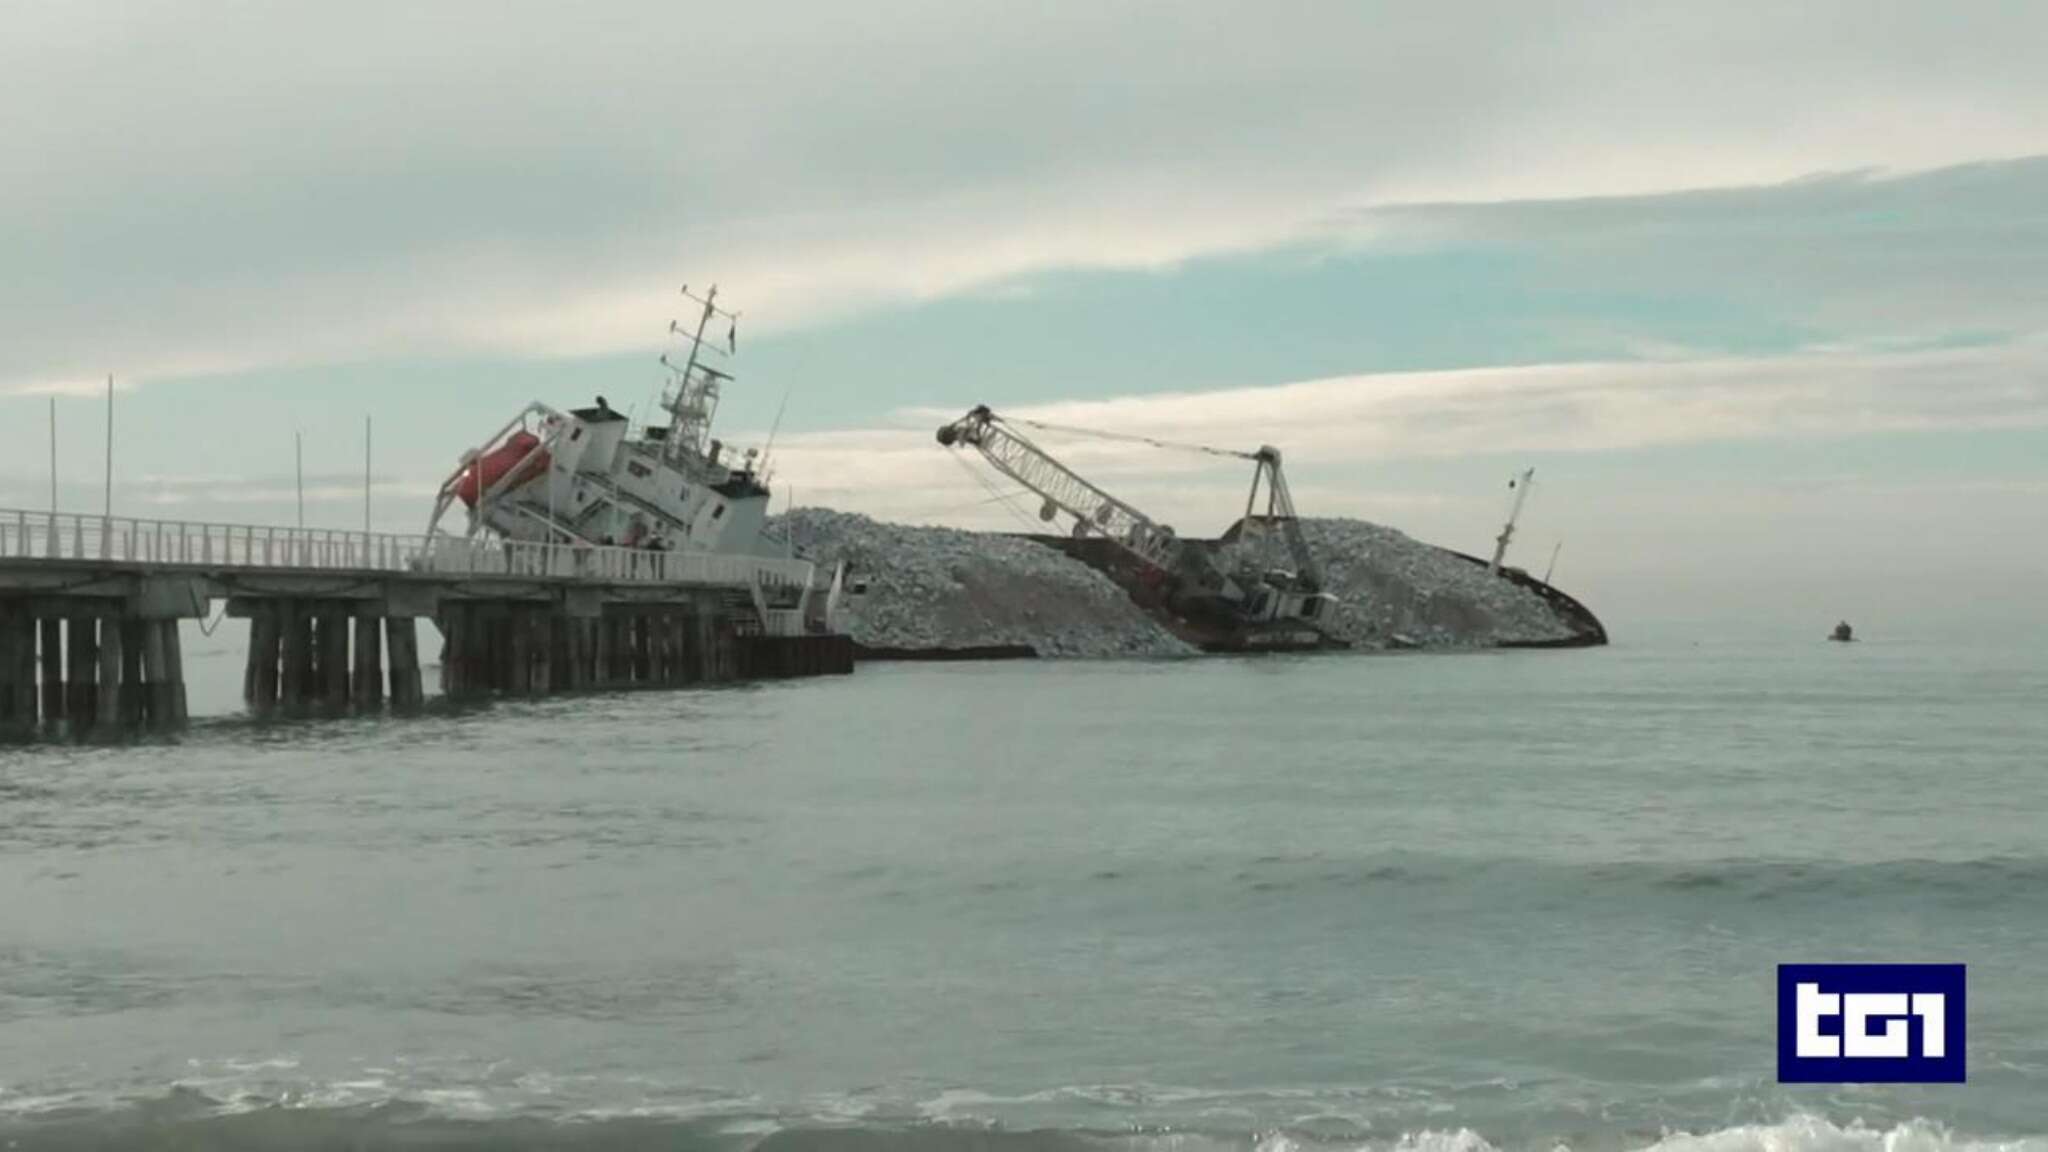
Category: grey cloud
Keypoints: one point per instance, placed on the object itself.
(190, 188)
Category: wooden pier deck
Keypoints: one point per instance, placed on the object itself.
(90, 606)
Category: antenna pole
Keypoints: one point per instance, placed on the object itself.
(299, 469)
(366, 474)
(110, 447)
(772, 430)
(53, 463)
(1553, 563)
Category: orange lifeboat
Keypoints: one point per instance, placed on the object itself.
(488, 469)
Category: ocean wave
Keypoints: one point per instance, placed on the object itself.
(451, 1121)
(1991, 878)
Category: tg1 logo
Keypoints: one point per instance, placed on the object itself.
(1871, 1023)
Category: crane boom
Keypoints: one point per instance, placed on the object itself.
(1063, 489)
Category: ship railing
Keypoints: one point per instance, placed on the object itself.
(28, 535)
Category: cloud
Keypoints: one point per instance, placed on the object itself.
(1330, 428)
(207, 190)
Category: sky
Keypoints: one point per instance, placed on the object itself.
(1759, 290)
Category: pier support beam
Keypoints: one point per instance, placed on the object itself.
(154, 695)
(174, 670)
(705, 630)
(401, 636)
(110, 719)
(643, 648)
(518, 653)
(81, 656)
(25, 697)
(14, 725)
(547, 624)
(53, 671)
(367, 683)
(260, 679)
(134, 701)
(331, 643)
(295, 656)
(571, 651)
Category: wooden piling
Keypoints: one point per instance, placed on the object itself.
(446, 623)
(266, 637)
(707, 655)
(574, 652)
(53, 671)
(334, 685)
(174, 672)
(331, 665)
(689, 628)
(611, 655)
(604, 656)
(547, 665)
(155, 700)
(519, 652)
(12, 724)
(314, 689)
(134, 700)
(497, 649)
(482, 675)
(458, 658)
(82, 655)
(250, 658)
(476, 650)
(686, 645)
(26, 701)
(110, 718)
(295, 654)
(367, 683)
(401, 636)
(657, 645)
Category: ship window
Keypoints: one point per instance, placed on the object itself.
(683, 493)
(576, 433)
(718, 511)
(638, 469)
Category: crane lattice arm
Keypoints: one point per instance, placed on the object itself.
(1093, 510)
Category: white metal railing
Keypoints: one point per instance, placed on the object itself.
(28, 535)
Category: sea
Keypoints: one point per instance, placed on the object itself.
(1471, 902)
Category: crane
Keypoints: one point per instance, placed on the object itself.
(1196, 584)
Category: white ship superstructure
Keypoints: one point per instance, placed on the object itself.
(591, 477)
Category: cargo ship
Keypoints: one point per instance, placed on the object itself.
(665, 488)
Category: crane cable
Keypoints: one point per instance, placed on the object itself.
(995, 494)
(1130, 439)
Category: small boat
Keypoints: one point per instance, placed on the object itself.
(1843, 634)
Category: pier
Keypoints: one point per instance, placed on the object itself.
(90, 609)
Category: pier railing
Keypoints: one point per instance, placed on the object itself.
(26, 535)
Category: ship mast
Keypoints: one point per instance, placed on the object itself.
(692, 396)
(1507, 532)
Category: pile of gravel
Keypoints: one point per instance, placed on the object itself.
(1394, 589)
(944, 588)
(939, 588)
